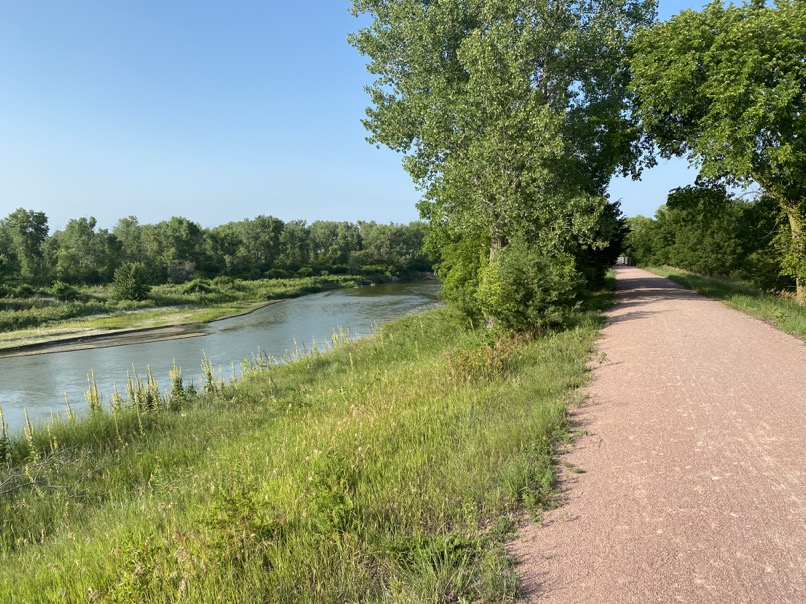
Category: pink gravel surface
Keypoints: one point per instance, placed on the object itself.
(693, 461)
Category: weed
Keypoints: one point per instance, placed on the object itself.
(5, 444)
(91, 395)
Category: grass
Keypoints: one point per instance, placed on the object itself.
(780, 311)
(392, 469)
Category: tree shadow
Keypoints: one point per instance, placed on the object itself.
(635, 315)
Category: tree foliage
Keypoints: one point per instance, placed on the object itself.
(27, 232)
(705, 230)
(179, 250)
(727, 87)
(511, 116)
(83, 255)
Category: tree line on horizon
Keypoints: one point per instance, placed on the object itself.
(177, 250)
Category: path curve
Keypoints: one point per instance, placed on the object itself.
(694, 462)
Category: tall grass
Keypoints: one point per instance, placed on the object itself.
(388, 469)
(781, 311)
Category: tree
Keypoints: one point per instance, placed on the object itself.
(84, 255)
(702, 223)
(175, 246)
(332, 242)
(261, 241)
(639, 243)
(132, 281)
(727, 88)
(400, 245)
(295, 246)
(28, 232)
(225, 246)
(705, 230)
(511, 116)
(130, 235)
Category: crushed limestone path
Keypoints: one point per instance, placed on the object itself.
(693, 461)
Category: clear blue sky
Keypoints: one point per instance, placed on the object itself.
(215, 111)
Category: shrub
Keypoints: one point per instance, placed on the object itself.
(224, 282)
(527, 289)
(197, 286)
(132, 281)
(277, 273)
(63, 291)
(376, 269)
(22, 291)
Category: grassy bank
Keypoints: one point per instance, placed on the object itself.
(782, 312)
(389, 469)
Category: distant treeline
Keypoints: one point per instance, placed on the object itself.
(178, 249)
(705, 230)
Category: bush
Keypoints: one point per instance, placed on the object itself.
(22, 291)
(224, 282)
(376, 269)
(197, 286)
(277, 273)
(132, 281)
(527, 289)
(63, 291)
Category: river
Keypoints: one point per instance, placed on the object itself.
(40, 383)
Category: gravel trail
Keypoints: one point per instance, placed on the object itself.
(691, 473)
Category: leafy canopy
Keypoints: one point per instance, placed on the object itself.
(727, 87)
(511, 115)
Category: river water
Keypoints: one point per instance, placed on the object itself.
(39, 383)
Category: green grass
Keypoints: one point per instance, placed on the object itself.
(780, 311)
(391, 469)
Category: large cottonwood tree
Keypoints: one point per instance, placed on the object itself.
(511, 115)
(727, 88)
(27, 232)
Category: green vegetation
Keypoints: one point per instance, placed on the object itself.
(393, 469)
(176, 251)
(704, 230)
(512, 117)
(783, 312)
(725, 87)
(132, 281)
(388, 469)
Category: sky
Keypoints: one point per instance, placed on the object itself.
(214, 111)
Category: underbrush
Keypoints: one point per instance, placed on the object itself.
(779, 310)
(388, 469)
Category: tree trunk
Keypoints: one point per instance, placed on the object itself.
(799, 248)
(497, 242)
